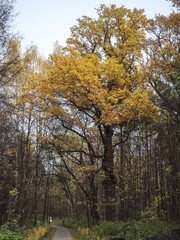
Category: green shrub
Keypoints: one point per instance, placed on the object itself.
(130, 230)
(11, 232)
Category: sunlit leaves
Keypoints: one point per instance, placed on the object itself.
(118, 32)
(87, 84)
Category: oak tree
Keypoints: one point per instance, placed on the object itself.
(94, 87)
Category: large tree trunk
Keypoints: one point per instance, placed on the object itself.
(109, 182)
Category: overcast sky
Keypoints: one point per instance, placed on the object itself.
(43, 22)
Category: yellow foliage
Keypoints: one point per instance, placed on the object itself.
(38, 233)
(14, 192)
(105, 81)
(86, 84)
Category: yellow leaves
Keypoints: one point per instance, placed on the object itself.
(10, 151)
(86, 169)
(14, 192)
(82, 172)
(100, 78)
(38, 233)
(118, 32)
(85, 83)
(114, 73)
(84, 231)
(136, 107)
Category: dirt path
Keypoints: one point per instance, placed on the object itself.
(61, 233)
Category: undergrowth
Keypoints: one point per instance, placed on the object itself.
(39, 233)
(130, 230)
(14, 232)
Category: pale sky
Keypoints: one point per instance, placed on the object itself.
(43, 22)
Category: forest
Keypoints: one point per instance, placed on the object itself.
(92, 134)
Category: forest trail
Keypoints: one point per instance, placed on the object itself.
(62, 233)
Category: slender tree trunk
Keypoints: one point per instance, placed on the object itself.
(87, 211)
(45, 200)
(177, 192)
(93, 202)
(122, 184)
(109, 182)
(35, 194)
